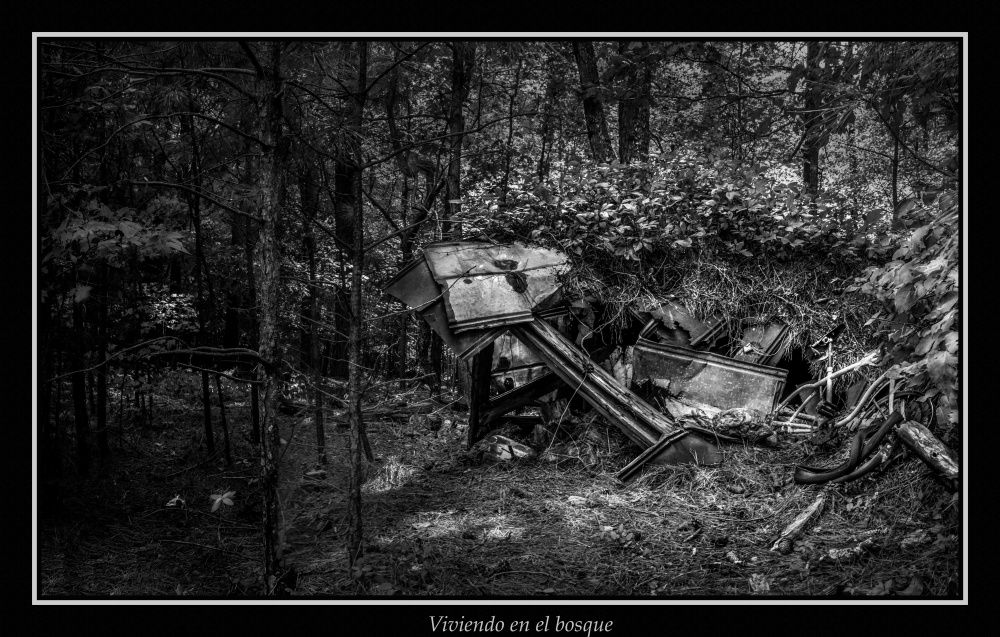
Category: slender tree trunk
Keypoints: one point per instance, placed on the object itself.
(222, 417)
(91, 391)
(510, 133)
(810, 165)
(633, 106)
(463, 65)
(355, 527)
(194, 203)
(49, 460)
(309, 194)
(267, 263)
(593, 108)
(249, 248)
(80, 393)
(102, 370)
(552, 94)
(895, 175)
(463, 61)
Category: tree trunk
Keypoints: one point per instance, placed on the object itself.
(355, 530)
(49, 461)
(547, 133)
(463, 63)
(80, 393)
(102, 370)
(895, 175)
(194, 202)
(593, 108)
(510, 133)
(633, 106)
(810, 165)
(249, 249)
(309, 194)
(266, 274)
(222, 417)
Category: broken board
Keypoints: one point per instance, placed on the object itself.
(633, 416)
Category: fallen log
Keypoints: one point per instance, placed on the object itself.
(929, 448)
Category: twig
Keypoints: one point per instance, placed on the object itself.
(205, 546)
(550, 575)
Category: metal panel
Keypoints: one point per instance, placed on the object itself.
(694, 379)
(487, 286)
(414, 285)
(763, 344)
(511, 353)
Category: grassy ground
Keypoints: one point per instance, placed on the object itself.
(440, 521)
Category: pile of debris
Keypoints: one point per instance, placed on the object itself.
(501, 308)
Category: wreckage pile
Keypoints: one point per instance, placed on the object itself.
(503, 308)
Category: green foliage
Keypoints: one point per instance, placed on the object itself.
(219, 499)
(919, 293)
(680, 202)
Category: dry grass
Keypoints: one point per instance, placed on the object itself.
(805, 293)
(438, 522)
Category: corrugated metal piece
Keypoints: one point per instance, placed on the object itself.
(415, 286)
(692, 379)
(487, 286)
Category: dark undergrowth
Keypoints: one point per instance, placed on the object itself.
(439, 521)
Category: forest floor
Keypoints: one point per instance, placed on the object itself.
(438, 521)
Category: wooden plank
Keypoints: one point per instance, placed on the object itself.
(531, 391)
(639, 421)
(480, 369)
(632, 469)
(521, 396)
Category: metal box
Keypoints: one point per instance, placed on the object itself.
(688, 379)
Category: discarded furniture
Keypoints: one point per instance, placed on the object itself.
(688, 380)
(763, 343)
(486, 286)
(471, 292)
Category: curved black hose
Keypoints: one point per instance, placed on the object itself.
(860, 448)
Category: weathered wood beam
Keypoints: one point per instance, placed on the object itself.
(639, 421)
(481, 371)
(929, 448)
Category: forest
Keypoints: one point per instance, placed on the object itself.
(378, 318)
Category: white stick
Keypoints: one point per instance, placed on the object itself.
(798, 525)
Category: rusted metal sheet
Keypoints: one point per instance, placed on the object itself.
(691, 379)
(487, 286)
(669, 322)
(764, 344)
(415, 286)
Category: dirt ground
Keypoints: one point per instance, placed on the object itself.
(439, 521)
